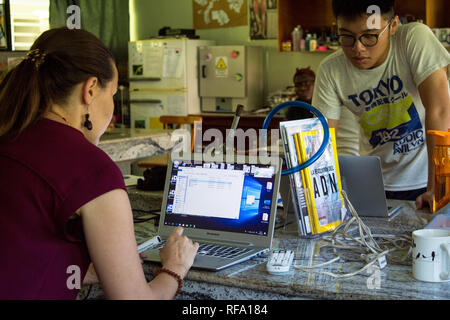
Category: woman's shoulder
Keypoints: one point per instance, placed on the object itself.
(66, 144)
(57, 153)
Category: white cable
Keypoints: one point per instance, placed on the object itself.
(365, 243)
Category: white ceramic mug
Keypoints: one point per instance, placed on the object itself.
(430, 259)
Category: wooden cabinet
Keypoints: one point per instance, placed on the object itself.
(314, 15)
(435, 13)
(223, 122)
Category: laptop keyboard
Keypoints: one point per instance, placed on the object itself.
(215, 250)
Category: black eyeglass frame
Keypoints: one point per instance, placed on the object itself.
(360, 38)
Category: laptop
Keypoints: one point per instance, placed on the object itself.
(228, 207)
(362, 180)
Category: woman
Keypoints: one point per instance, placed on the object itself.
(63, 202)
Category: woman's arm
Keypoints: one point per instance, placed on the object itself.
(109, 232)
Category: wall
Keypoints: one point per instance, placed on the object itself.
(148, 16)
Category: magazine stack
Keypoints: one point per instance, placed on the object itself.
(315, 190)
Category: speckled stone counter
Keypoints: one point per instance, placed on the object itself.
(130, 144)
(125, 146)
(144, 202)
(250, 280)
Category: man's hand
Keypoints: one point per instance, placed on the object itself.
(425, 200)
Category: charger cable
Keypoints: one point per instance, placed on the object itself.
(365, 246)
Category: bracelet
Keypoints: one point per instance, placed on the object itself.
(173, 274)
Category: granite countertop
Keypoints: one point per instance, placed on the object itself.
(250, 280)
(144, 202)
(129, 144)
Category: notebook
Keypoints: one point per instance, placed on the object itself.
(228, 207)
(362, 180)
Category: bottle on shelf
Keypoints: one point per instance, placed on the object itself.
(307, 41)
(286, 46)
(313, 43)
(297, 36)
(334, 32)
(323, 36)
(302, 45)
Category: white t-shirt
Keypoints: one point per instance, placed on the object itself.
(387, 103)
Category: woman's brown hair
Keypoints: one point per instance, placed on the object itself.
(59, 60)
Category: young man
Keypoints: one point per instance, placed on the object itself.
(394, 79)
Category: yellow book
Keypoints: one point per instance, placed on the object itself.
(301, 159)
(322, 180)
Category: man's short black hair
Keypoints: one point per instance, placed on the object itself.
(351, 9)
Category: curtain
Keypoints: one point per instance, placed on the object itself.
(109, 20)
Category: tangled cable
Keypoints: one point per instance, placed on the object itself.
(365, 245)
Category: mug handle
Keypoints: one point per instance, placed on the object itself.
(446, 248)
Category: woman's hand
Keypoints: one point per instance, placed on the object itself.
(179, 252)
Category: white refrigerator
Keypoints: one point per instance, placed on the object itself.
(163, 76)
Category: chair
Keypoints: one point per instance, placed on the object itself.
(173, 122)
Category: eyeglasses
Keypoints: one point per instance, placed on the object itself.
(367, 39)
(303, 83)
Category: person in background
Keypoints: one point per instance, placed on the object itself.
(304, 88)
(394, 79)
(348, 135)
(64, 207)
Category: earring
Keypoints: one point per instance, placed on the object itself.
(88, 123)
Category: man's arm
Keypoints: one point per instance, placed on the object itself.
(435, 98)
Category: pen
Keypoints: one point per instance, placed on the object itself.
(394, 212)
(149, 244)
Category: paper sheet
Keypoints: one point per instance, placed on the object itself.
(153, 62)
(172, 63)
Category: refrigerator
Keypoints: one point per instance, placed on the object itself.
(229, 76)
(163, 75)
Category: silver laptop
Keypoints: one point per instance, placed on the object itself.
(229, 208)
(362, 180)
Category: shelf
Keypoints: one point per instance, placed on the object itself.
(309, 52)
(314, 15)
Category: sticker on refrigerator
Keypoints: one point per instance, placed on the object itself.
(139, 124)
(221, 67)
(138, 70)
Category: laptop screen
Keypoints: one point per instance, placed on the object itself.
(220, 196)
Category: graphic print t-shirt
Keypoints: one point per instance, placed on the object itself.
(387, 102)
